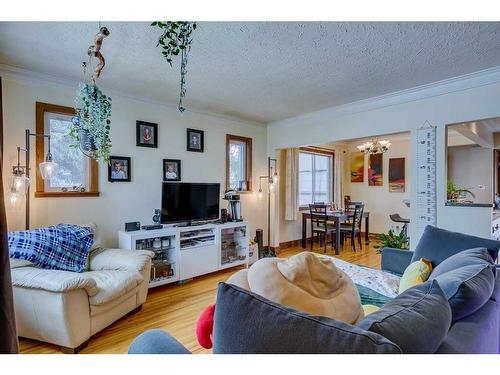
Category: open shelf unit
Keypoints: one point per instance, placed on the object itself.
(181, 253)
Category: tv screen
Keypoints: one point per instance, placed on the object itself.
(182, 201)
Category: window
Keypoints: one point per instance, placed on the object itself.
(238, 163)
(76, 174)
(315, 177)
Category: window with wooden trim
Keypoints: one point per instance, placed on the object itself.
(238, 163)
(76, 174)
(315, 177)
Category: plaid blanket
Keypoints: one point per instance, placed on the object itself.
(61, 247)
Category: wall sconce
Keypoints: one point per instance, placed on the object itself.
(20, 180)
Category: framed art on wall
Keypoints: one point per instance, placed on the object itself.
(119, 169)
(357, 166)
(171, 170)
(146, 134)
(375, 170)
(195, 140)
(397, 175)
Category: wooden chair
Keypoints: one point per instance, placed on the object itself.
(320, 225)
(353, 229)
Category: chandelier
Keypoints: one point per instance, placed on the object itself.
(374, 147)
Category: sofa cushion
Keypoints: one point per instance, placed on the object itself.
(112, 284)
(246, 323)
(438, 244)
(417, 320)
(467, 288)
(464, 258)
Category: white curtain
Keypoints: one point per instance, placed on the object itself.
(291, 183)
(338, 171)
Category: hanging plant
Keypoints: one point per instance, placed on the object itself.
(92, 123)
(176, 40)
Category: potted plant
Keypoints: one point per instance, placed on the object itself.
(453, 192)
(91, 125)
(395, 241)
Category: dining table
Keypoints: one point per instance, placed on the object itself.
(338, 217)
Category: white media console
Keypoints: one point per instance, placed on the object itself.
(185, 252)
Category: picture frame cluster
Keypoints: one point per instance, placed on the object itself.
(120, 167)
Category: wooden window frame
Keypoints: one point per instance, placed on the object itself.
(248, 141)
(41, 109)
(320, 151)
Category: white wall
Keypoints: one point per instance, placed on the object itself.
(122, 202)
(474, 97)
(471, 167)
(377, 199)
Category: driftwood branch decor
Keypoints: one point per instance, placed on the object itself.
(95, 51)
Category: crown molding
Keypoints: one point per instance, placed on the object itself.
(450, 85)
(28, 76)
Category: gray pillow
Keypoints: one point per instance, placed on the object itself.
(467, 288)
(246, 323)
(438, 244)
(417, 320)
(477, 256)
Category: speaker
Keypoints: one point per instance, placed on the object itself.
(132, 226)
(156, 216)
(223, 215)
(259, 238)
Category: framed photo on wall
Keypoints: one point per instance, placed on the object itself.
(397, 180)
(119, 169)
(171, 170)
(195, 141)
(146, 134)
(375, 170)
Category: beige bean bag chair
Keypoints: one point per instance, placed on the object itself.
(303, 282)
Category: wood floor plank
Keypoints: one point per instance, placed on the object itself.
(175, 308)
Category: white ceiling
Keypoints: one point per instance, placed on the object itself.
(261, 71)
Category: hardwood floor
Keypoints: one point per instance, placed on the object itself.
(175, 308)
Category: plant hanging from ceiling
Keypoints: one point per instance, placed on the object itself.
(176, 40)
(92, 123)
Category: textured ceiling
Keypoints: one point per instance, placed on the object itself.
(262, 71)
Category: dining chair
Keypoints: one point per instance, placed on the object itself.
(320, 225)
(353, 229)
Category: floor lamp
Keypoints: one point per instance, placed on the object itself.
(272, 179)
(20, 180)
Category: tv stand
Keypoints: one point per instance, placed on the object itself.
(186, 251)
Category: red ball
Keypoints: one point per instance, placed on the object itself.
(205, 327)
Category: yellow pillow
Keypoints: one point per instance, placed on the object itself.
(416, 273)
(370, 309)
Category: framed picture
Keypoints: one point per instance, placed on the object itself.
(375, 170)
(171, 170)
(195, 140)
(119, 169)
(146, 134)
(397, 180)
(357, 166)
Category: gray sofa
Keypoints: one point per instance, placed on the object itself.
(455, 311)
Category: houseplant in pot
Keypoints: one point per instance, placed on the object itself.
(454, 192)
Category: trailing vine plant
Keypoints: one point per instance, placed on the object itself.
(91, 126)
(175, 40)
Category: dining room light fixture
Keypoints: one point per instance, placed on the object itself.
(374, 146)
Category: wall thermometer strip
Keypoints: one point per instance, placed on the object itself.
(426, 178)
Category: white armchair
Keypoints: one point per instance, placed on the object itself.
(67, 308)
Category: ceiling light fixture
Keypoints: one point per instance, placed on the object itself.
(374, 147)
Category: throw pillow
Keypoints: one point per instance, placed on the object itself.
(463, 258)
(467, 288)
(61, 247)
(438, 244)
(370, 309)
(416, 273)
(246, 323)
(417, 320)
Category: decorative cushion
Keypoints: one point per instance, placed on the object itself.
(60, 247)
(416, 273)
(438, 244)
(246, 323)
(467, 288)
(464, 258)
(370, 309)
(417, 320)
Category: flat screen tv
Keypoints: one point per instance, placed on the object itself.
(183, 201)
